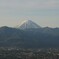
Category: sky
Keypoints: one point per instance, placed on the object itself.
(43, 12)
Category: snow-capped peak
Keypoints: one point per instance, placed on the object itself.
(28, 24)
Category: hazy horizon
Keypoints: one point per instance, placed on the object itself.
(43, 12)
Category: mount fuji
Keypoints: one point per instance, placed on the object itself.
(28, 24)
(34, 37)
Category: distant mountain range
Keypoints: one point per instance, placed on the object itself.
(29, 35)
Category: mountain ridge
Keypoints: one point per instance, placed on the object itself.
(29, 38)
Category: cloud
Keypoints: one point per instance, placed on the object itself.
(29, 8)
(29, 4)
(44, 12)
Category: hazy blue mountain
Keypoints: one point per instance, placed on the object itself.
(31, 37)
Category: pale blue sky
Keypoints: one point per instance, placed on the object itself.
(43, 12)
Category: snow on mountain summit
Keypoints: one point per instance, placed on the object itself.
(28, 24)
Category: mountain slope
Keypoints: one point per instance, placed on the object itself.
(31, 38)
(29, 35)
